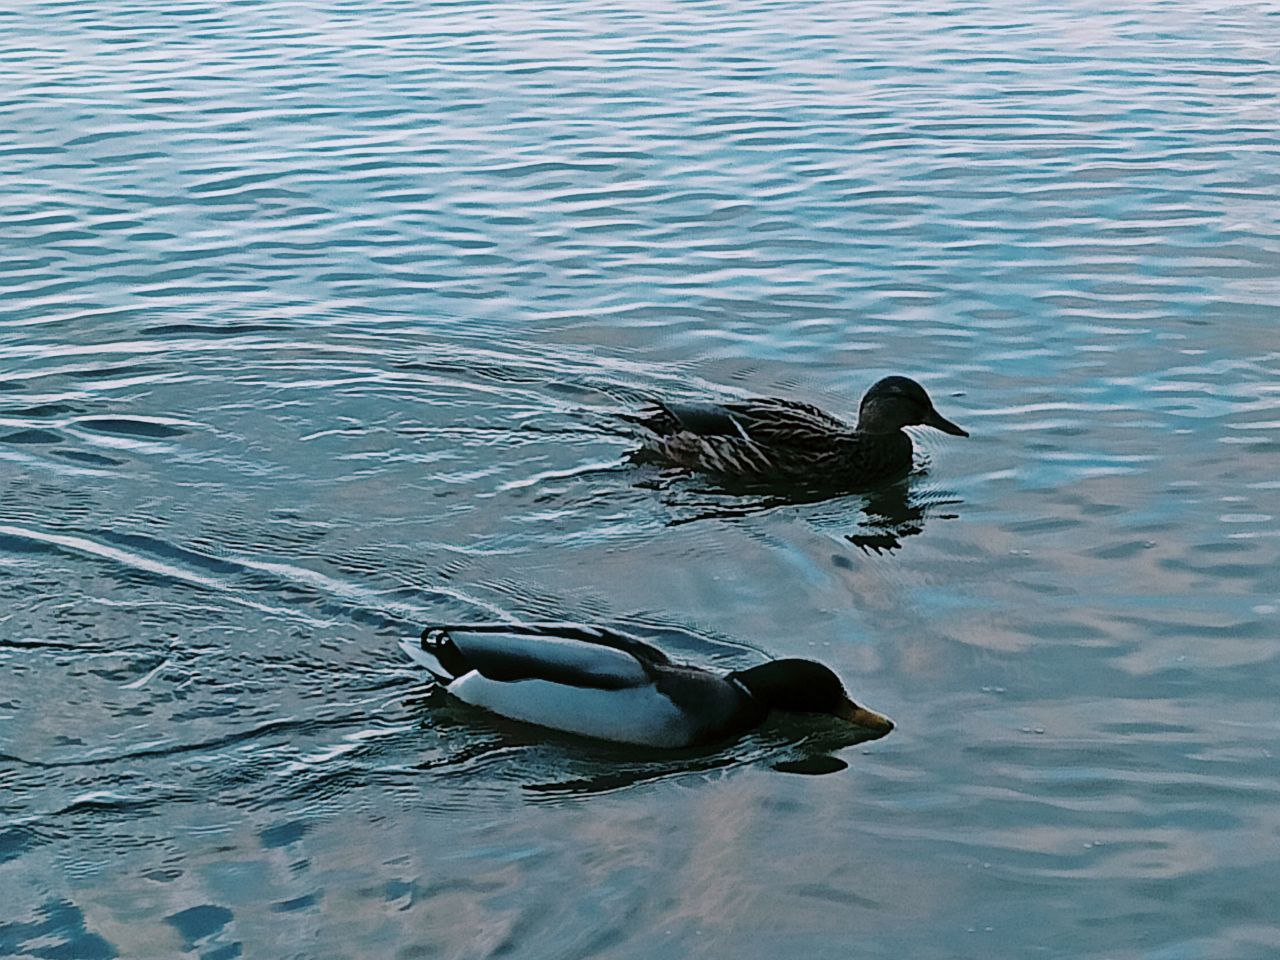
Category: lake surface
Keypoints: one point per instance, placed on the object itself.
(316, 322)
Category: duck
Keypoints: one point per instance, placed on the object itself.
(770, 441)
(608, 685)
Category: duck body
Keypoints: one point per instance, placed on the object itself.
(606, 684)
(768, 440)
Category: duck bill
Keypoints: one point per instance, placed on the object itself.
(939, 422)
(877, 723)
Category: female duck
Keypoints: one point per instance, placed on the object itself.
(612, 686)
(771, 441)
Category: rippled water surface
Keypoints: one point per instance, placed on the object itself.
(316, 320)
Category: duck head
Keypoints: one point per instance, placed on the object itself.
(897, 402)
(803, 686)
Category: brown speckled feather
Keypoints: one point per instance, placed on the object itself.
(770, 440)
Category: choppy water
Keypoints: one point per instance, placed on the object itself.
(314, 319)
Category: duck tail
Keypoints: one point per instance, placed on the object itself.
(436, 651)
(656, 417)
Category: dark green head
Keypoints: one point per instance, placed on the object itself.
(803, 686)
(897, 402)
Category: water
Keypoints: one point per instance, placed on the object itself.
(316, 320)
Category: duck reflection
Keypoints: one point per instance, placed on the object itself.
(895, 513)
(786, 746)
(877, 521)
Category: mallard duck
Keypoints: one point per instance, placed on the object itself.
(612, 686)
(767, 440)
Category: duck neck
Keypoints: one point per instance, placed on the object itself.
(764, 684)
(876, 418)
(877, 428)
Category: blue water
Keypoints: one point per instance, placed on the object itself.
(315, 322)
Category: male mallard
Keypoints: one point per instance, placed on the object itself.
(767, 440)
(612, 686)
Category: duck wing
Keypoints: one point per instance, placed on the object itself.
(590, 681)
(766, 421)
(567, 654)
(771, 420)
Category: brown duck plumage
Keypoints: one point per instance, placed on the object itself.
(773, 441)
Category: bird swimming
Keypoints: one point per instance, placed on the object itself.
(609, 685)
(771, 441)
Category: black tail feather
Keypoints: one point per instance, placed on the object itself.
(655, 417)
(440, 645)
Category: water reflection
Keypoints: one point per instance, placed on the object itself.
(876, 521)
(895, 513)
(301, 319)
(786, 744)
